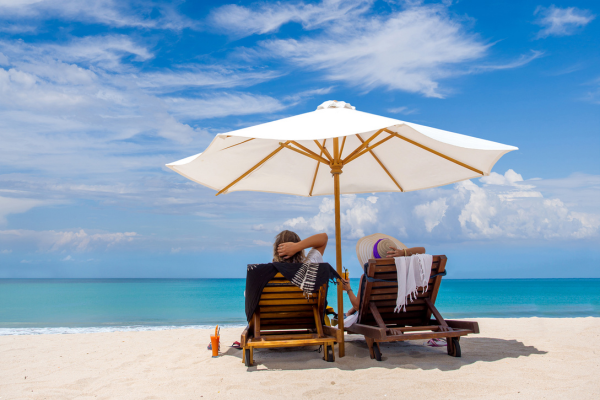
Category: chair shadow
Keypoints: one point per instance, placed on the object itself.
(402, 355)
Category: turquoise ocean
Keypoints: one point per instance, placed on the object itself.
(36, 306)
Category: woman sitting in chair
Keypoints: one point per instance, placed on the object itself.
(289, 248)
(377, 245)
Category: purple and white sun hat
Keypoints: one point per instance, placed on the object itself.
(376, 246)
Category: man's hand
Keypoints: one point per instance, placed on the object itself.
(287, 249)
(395, 252)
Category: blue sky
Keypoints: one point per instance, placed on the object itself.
(96, 96)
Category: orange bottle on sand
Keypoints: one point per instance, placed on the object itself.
(214, 341)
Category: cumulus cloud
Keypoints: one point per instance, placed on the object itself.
(80, 240)
(358, 215)
(432, 212)
(557, 21)
(502, 207)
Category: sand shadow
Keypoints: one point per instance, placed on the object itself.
(401, 355)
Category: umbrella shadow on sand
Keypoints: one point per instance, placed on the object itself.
(396, 355)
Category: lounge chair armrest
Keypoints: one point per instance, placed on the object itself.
(244, 338)
(373, 332)
(471, 325)
(452, 323)
(335, 332)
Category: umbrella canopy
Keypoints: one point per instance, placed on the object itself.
(400, 156)
(305, 155)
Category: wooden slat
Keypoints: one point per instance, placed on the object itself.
(291, 326)
(424, 336)
(308, 322)
(275, 289)
(286, 332)
(287, 295)
(275, 302)
(388, 290)
(286, 308)
(288, 336)
(295, 314)
(289, 343)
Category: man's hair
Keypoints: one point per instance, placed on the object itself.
(283, 237)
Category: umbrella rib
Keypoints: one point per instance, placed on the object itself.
(362, 146)
(324, 150)
(370, 150)
(316, 172)
(306, 149)
(261, 162)
(237, 144)
(437, 153)
(342, 148)
(313, 155)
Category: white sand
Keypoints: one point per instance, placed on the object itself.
(531, 358)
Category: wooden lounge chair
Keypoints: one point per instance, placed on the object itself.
(378, 322)
(287, 318)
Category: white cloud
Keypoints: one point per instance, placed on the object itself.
(262, 243)
(5, 251)
(524, 59)
(13, 205)
(175, 250)
(211, 76)
(222, 105)
(557, 21)
(410, 50)
(67, 258)
(358, 215)
(264, 18)
(108, 12)
(402, 110)
(505, 207)
(60, 240)
(432, 212)
(78, 106)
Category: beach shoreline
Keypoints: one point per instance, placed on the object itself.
(511, 358)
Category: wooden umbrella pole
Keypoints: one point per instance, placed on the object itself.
(336, 170)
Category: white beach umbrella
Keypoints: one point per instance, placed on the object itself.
(307, 154)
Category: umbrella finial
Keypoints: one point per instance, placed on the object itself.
(335, 104)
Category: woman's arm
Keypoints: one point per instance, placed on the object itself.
(408, 252)
(354, 300)
(318, 241)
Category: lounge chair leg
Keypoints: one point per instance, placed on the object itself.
(377, 351)
(370, 345)
(453, 346)
(248, 357)
(328, 352)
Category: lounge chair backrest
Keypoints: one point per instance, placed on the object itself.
(284, 306)
(384, 294)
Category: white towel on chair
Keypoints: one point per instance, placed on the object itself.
(413, 272)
